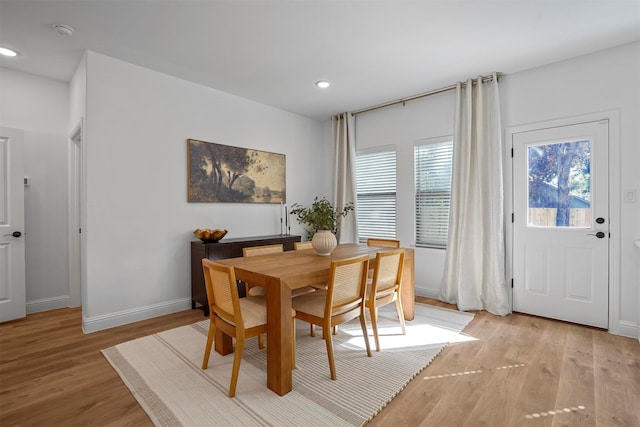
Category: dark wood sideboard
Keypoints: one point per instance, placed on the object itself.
(225, 248)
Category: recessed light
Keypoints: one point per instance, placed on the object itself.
(5, 51)
(322, 84)
(63, 30)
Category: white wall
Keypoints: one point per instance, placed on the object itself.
(138, 221)
(593, 83)
(40, 107)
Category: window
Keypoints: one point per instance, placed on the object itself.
(559, 176)
(376, 187)
(433, 165)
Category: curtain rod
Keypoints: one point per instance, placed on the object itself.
(419, 96)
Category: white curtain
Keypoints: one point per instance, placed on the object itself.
(474, 276)
(345, 181)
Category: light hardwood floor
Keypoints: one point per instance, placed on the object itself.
(516, 370)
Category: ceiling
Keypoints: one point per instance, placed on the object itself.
(273, 51)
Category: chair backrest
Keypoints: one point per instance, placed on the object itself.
(262, 250)
(222, 292)
(387, 271)
(387, 243)
(347, 284)
(298, 246)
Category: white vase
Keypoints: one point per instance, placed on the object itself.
(324, 242)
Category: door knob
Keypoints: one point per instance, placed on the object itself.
(14, 234)
(599, 234)
(600, 220)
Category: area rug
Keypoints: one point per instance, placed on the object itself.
(163, 373)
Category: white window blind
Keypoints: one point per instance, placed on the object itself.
(376, 188)
(433, 165)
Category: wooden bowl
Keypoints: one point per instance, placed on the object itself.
(209, 235)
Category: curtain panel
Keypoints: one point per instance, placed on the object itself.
(345, 180)
(474, 274)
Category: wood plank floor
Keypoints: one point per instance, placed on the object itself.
(516, 370)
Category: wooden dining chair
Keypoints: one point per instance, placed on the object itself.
(237, 317)
(299, 246)
(387, 243)
(341, 302)
(264, 250)
(385, 287)
(257, 251)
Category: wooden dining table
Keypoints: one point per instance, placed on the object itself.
(283, 272)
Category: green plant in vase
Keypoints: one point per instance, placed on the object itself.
(321, 215)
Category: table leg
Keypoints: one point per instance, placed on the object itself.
(223, 343)
(279, 336)
(408, 295)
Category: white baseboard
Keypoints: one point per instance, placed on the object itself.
(427, 293)
(45, 304)
(626, 329)
(111, 320)
(623, 327)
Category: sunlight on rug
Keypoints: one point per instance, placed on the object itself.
(163, 373)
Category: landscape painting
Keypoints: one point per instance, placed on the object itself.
(226, 174)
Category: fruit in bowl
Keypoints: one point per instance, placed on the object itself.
(210, 235)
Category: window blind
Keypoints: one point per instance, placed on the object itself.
(376, 193)
(433, 165)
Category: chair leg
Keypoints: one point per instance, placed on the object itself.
(365, 334)
(260, 342)
(293, 343)
(374, 325)
(312, 330)
(401, 315)
(207, 349)
(237, 358)
(329, 341)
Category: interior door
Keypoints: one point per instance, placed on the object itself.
(12, 269)
(561, 223)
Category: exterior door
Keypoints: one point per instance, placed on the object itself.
(561, 223)
(12, 270)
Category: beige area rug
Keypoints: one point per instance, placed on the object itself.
(163, 373)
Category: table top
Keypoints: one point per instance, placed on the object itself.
(299, 268)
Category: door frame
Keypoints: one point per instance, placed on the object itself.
(613, 116)
(75, 212)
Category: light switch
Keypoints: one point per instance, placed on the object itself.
(630, 196)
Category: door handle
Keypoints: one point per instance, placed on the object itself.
(15, 234)
(599, 234)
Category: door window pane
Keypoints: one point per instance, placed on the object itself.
(559, 184)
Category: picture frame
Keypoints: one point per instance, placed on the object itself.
(220, 173)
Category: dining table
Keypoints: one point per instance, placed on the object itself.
(281, 273)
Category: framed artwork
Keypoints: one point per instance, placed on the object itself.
(225, 174)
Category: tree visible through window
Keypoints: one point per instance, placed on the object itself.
(560, 184)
